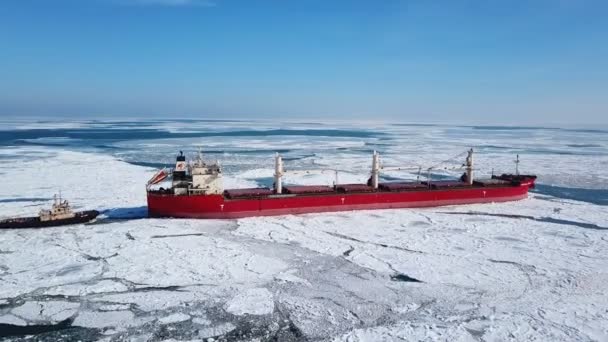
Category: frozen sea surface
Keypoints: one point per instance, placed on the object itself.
(536, 269)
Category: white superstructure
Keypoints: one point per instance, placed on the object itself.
(60, 210)
(206, 178)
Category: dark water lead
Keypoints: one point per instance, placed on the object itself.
(84, 135)
(149, 164)
(538, 219)
(24, 199)
(583, 145)
(537, 128)
(49, 331)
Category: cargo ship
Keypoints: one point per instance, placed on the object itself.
(60, 214)
(196, 191)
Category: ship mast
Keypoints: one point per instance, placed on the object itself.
(375, 169)
(517, 165)
(469, 167)
(278, 173)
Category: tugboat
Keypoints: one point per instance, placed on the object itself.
(197, 192)
(60, 214)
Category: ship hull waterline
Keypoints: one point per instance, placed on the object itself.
(219, 207)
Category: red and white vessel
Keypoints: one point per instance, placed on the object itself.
(197, 192)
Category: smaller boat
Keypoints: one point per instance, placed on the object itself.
(60, 214)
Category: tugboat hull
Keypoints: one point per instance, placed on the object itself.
(35, 222)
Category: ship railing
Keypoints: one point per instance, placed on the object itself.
(426, 173)
(312, 171)
(419, 169)
(316, 171)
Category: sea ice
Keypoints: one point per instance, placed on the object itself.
(528, 270)
(252, 301)
(12, 319)
(51, 311)
(174, 318)
(217, 330)
(119, 320)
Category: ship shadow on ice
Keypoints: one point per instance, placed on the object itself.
(404, 278)
(538, 219)
(594, 196)
(127, 213)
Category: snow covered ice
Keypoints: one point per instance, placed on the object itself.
(535, 269)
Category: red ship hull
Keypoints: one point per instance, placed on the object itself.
(222, 207)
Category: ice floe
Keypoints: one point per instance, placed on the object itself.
(174, 318)
(47, 311)
(252, 301)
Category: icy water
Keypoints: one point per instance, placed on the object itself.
(529, 270)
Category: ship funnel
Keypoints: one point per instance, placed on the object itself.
(180, 163)
(180, 177)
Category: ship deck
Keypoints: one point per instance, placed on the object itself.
(386, 187)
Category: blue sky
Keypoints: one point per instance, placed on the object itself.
(491, 61)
